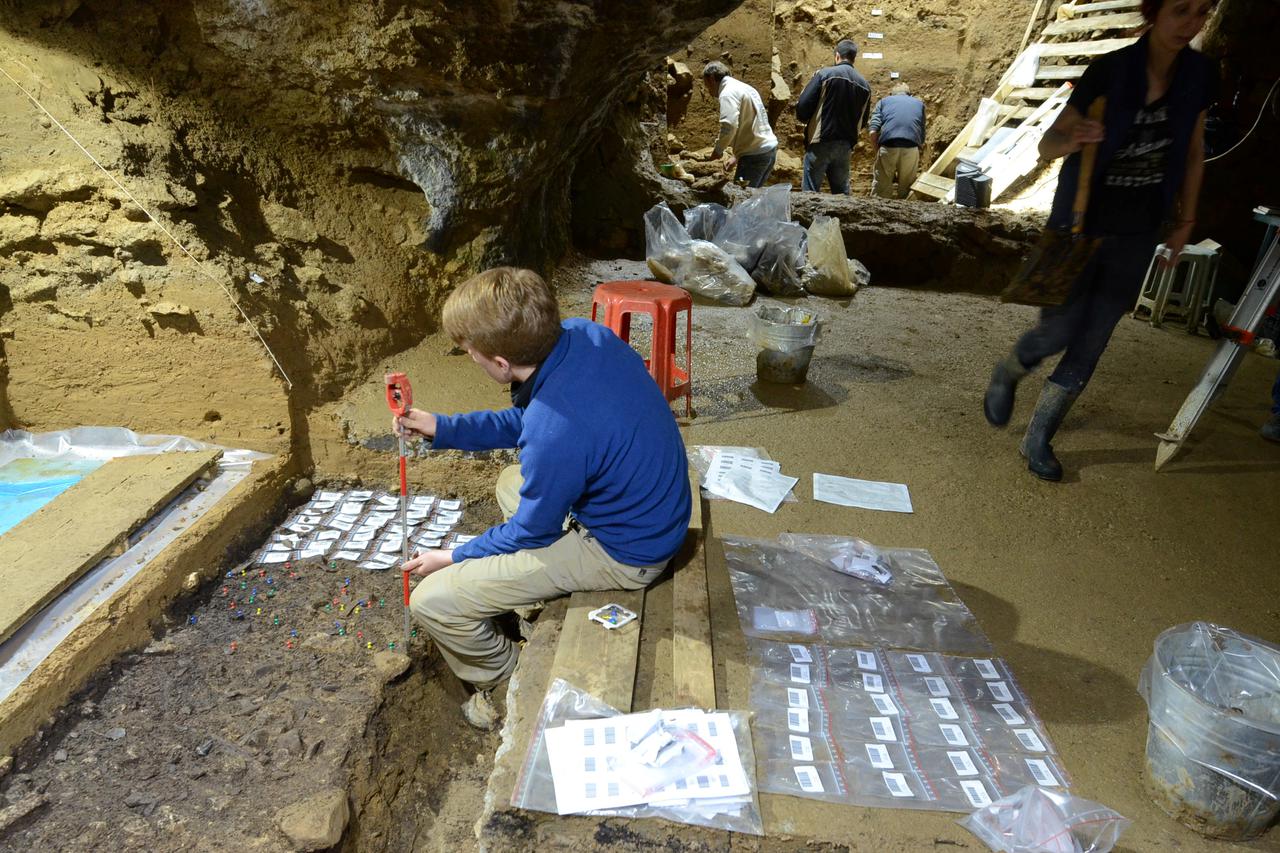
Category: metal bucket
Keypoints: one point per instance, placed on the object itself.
(1213, 743)
(786, 338)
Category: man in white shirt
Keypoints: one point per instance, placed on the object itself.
(744, 126)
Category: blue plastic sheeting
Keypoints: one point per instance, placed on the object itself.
(28, 484)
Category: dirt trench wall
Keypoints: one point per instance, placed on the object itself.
(336, 166)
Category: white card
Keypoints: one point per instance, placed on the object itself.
(274, 557)
(875, 35)
(801, 748)
(326, 535)
(1008, 714)
(963, 763)
(451, 504)
(937, 686)
(1040, 771)
(919, 663)
(867, 660)
(1029, 739)
(882, 728)
(976, 792)
(800, 654)
(800, 673)
(351, 510)
(879, 757)
(873, 56)
(809, 780)
(1000, 690)
(897, 784)
(872, 683)
(350, 556)
(944, 709)
(362, 495)
(798, 720)
(986, 669)
(329, 497)
(797, 698)
(953, 734)
(884, 704)
(387, 500)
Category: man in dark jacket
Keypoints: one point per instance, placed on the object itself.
(834, 106)
(897, 134)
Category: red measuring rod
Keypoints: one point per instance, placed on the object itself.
(399, 401)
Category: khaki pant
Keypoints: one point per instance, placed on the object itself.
(895, 164)
(457, 604)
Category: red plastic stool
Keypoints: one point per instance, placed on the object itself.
(663, 303)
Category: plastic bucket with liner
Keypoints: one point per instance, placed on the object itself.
(1213, 743)
(786, 338)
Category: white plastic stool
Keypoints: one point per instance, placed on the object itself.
(1193, 275)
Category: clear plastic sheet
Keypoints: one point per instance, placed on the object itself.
(877, 727)
(535, 790)
(700, 267)
(783, 329)
(1214, 693)
(783, 594)
(82, 449)
(1038, 820)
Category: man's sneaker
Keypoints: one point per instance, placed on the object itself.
(1271, 429)
(480, 712)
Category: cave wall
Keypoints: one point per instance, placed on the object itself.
(336, 165)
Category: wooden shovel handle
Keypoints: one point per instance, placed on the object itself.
(1088, 155)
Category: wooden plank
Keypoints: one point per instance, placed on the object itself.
(1093, 23)
(594, 658)
(1012, 112)
(693, 675)
(1060, 72)
(934, 186)
(1085, 48)
(54, 546)
(1070, 10)
(1034, 93)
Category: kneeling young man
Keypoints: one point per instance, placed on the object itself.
(599, 449)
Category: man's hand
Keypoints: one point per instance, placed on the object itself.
(730, 163)
(414, 423)
(428, 562)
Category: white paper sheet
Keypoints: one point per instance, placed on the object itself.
(451, 504)
(351, 556)
(865, 494)
(755, 482)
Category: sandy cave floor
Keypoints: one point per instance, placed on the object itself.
(1072, 582)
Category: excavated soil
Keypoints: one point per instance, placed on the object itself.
(273, 684)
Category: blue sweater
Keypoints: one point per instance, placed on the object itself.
(597, 440)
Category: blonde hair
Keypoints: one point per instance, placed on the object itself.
(505, 311)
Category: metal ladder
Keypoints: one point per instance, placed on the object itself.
(1246, 320)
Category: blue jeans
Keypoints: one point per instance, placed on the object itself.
(1275, 396)
(828, 159)
(756, 167)
(1081, 327)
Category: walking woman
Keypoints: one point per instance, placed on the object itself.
(1146, 181)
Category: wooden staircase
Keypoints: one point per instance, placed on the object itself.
(1003, 142)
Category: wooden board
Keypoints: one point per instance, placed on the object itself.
(1085, 48)
(693, 674)
(1060, 72)
(54, 546)
(934, 186)
(1122, 21)
(594, 658)
(1073, 9)
(1034, 93)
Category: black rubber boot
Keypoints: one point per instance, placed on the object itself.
(1055, 402)
(997, 405)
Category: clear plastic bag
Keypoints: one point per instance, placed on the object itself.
(667, 245)
(703, 221)
(1214, 694)
(782, 258)
(827, 273)
(846, 554)
(663, 755)
(919, 610)
(1036, 820)
(699, 267)
(747, 228)
(859, 275)
(535, 788)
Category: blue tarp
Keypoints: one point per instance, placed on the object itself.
(28, 484)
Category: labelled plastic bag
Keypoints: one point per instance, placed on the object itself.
(781, 260)
(828, 270)
(703, 221)
(846, 554)
(699, 267)
(1040, 820)
(859, 275)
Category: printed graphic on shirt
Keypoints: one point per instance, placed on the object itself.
(1140, 161)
